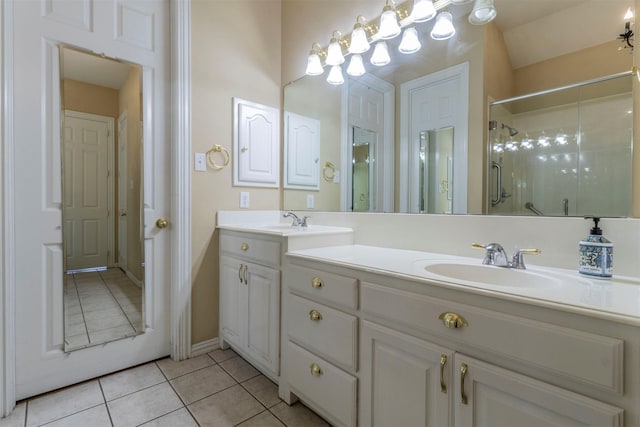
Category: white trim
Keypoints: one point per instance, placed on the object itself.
(7, 235)
(205, 347)
(181, 183)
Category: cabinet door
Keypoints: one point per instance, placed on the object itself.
(263, 315)
(404, 381)
(233, 310)
(486, 395)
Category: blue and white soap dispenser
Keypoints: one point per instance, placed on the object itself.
(596, 253)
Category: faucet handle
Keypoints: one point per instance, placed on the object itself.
(518, 257)
(303, 221)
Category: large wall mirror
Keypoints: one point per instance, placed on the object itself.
(101, 104)
(529, 48)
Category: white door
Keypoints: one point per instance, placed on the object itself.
(404, 381)
(486, 395)
(87, 142)
(123, 182)
(136, 32)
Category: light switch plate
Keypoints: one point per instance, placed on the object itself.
(310, 201)
(244, 200)
(336, 177)
(200, 163)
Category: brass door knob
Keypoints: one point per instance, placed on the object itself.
(162, 223)
(453, 320)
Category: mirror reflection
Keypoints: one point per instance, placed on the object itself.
(523, 51)
(102, 187)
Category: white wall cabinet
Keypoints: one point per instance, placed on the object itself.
(302, 152)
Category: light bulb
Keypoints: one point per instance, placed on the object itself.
(334, 51)
(483, 12)
(335, 75)
(423, 10)
(314, 66)
(629, 15)
(410, 42)
(389, 27)
(356, 66)
(443, 29)
(359, 42)
(380, 54)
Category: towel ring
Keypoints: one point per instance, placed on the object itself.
(329, 171)
(218, 149)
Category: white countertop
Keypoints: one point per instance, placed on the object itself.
(616, 299)
(286, 229)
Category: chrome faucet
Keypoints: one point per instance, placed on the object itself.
(297, 222)
(497, 256)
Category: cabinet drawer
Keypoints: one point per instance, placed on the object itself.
(322, 286)
(324, 386)
(266, 252)
(325, 331)
(592, 359)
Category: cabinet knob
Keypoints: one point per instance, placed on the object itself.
(316, 282)
(453, 320)
(316, 371)
(315, 315)
(244, 246)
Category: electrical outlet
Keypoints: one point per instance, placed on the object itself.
(244, 200)
(336, 177)
(200, 163)
(310, 201)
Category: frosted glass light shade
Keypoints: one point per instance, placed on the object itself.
(334, 53)
(380, 54)
(483, 12)
(314, 66)
(443, 29)
(423, 10)
(359, 42)
(356, 66)
(389, 27)
(410, 42)
(335, 75)
(460, 1)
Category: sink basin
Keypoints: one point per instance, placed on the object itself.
(492, 275)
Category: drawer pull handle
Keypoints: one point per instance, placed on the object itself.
(463, 373)
(443, 362)
(317, 282)
(240, 272)
(453, 320)
(246, 274)
(244, 246)
(316, 371)
(315, 315)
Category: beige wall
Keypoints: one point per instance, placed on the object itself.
(88, 98)
(236, 53)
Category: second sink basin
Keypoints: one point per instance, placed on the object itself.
(492, 275)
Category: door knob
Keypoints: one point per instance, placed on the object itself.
(162, 223)
(123, 213)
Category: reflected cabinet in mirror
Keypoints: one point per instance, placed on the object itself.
(101, 103)
(405, 138)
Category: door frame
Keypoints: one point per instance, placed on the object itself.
(123, 180)
(180, 116)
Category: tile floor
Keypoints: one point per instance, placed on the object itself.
(217, 389)
(99, 307)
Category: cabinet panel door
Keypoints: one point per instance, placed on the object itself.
(302, 152)
(233, 310)
(498, 397)
(401, 381)
(263, 315)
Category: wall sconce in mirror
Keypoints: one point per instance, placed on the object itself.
(627, 35)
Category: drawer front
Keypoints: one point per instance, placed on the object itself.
(245, 246)
(327, 332)
(322, 286)
(326, 387)
(592, 359)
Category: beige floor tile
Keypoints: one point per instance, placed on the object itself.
(220, 355)
(71, 318)
(107, 335)
(202, 383)
(129, 381)
(99, 305)
(73, 309)
(102, 314)
(227, 408)
(94, 325)
(59, 404)
(145, 405)
(173, 369)
(75, 328)
(134, 317)
(263, 389)
(132, 308)
(264, 419)
(297, 415)
(76, 341)
(179, 418)
(94, 417)
(239, 369)
(16, 419)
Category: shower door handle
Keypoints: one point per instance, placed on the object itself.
(498, 168)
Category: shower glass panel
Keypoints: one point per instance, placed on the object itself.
(363, 168)
(565, 152)
(436, 171)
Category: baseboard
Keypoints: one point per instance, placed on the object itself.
(133, 278)
(205, 347)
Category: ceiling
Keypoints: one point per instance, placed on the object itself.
(93, 69)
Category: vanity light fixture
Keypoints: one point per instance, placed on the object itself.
(356, 66)
(443, 29)
(423, 10)
(314, 64)
(410, 42)
(380, 54)
(511, 145)
(389, 27)
(526, 142)
(543, 140)
(334, 51)
(335, 76)
(359, 41)
(483, 12)
(561, 138)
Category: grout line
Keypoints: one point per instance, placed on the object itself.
(72, 414)
(105, 401)
(184, 405)
(26, 412)
(250, 418)
(120, 305)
